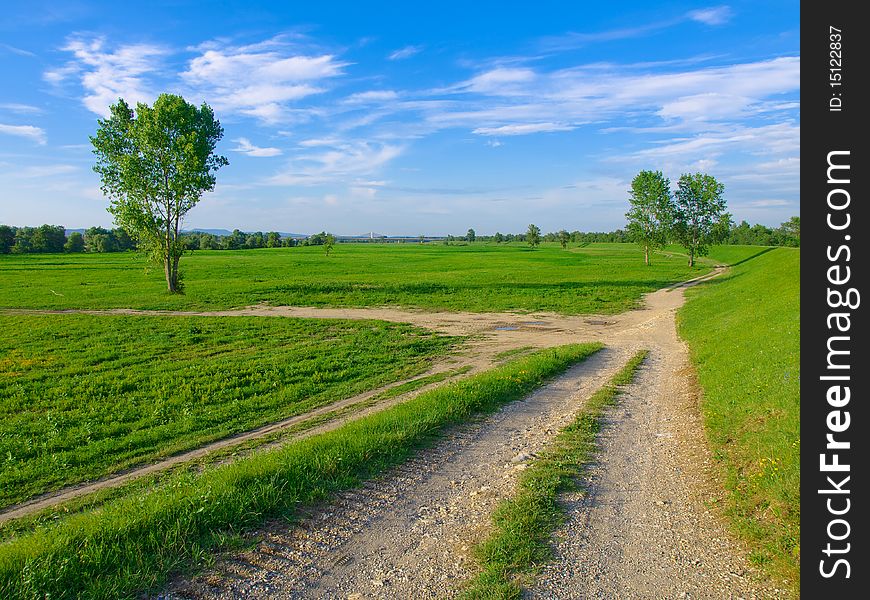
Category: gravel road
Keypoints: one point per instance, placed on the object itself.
(643, 529)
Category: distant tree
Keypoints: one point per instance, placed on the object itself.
(48, 238)
(651, 214)
(123, 240)
(7, 239)
(564, 238)
(791, 232)
(318, 239)
(23, 237)
(273, 239)
(470, 236)
(207, 242)
(698, 212)
(234, 241)
(328, 243)
(255, 240)
(422, 239)
(533, 235)
(154, 166)
(498, 237)
(289, 242)
(99, 239)
(74, 243)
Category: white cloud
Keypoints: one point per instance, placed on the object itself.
(765, 203)
(246, 147)
(43, 171)
(18, 51)
(260, 81)
(108, 75)
(715, 15)
(501, 81)
(706, 107)
(689, 100)
(769, 139)
(35, 134)
(403, 53)
(338, 162)
(373, 96)
(24, 109)
(523, 129)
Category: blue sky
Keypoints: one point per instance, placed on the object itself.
(363, 116)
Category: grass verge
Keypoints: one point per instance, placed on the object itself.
(748, 364)
(132, 544)
(524, 523)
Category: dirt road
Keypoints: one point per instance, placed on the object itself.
(491, 334)
(644, 530)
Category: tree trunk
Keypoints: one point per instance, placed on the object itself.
(691, 257)
(646, 255)
(171, 278)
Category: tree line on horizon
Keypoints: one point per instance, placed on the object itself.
(53, 238)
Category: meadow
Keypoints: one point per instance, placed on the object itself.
(133, 542)
(743, 331)
(82, 396)
(596, 278)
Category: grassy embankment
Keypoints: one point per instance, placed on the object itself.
(520, 541)
(743, 330)
(82, 396)
(133, 542)
(598, 278)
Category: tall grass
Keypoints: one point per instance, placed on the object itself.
(743, 330)
(133, 543)
(520, 541)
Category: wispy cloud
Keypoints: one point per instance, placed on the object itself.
(516, 101)
(246, 147)
(43, 171)
(715, 15)
(16, 50)
(403, 53)
(260, 81)
(523, 129)
(34, 134)
(374, 96)
(107, 75)
(340, 161)
(23, 109)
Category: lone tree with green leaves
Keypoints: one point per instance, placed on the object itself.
(154, 165)
(651, 214)
(699, 213)
(533, 235)
(564, 238)
(328, 243)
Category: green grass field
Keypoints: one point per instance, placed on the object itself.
(599, 278)
(743, 330)
(82, 396)
(133, 542)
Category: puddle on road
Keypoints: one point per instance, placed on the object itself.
(506, 328)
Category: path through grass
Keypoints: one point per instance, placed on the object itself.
(82, 396)
(524, 523)
(132, 543)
